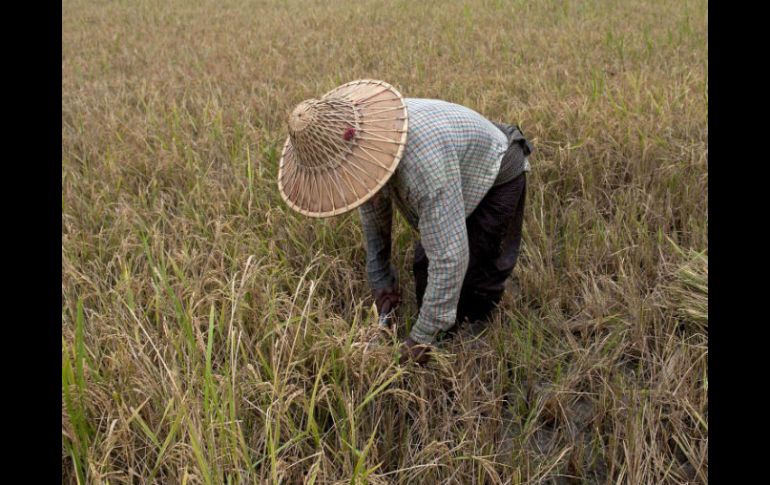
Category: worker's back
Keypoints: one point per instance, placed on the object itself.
(447, 143)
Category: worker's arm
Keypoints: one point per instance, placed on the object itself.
(445, 240)
(377, 221)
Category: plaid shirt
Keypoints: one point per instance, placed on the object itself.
(451, 159)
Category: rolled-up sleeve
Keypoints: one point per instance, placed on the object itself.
(377, 222)
(445, 240)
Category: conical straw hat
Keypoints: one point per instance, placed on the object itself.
(342, 148)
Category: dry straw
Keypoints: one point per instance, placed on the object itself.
(342, 148)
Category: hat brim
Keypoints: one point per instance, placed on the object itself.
(375, 152)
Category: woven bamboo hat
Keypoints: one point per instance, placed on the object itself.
(342, 148)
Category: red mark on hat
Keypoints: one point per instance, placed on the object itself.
(349, 134)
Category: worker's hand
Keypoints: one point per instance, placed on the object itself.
(386, 299)
(411, 350)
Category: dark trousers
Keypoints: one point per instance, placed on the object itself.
(494, 239)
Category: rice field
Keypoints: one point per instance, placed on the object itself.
(211, 335)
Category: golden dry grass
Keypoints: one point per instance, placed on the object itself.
(210, 335)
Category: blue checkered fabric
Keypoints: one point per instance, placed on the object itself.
(451, 159)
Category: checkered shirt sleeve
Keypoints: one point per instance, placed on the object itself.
(377, 222)
(445, 240)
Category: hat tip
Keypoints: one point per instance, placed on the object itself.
(302, 115)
